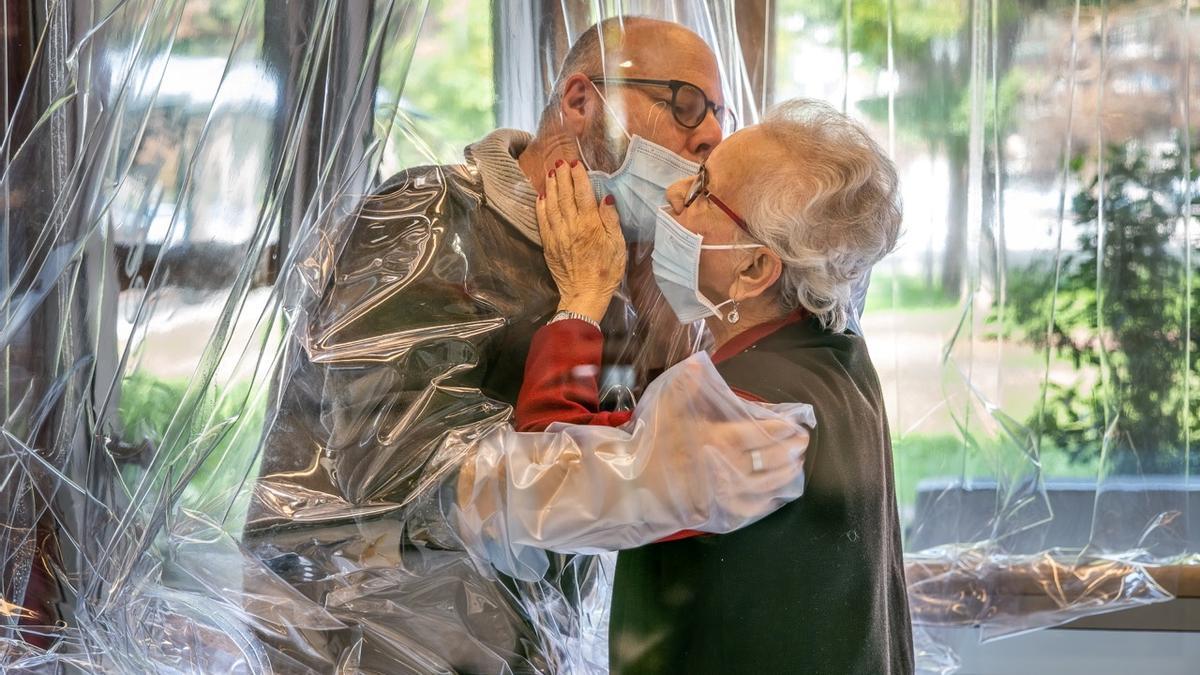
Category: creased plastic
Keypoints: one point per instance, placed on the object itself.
(181, 183)
(1068, 488)
(578, 489)
(239, 373)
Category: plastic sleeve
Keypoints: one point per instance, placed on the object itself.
(591, 489)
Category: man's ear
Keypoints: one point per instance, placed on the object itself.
(578, 104)
(757, 275)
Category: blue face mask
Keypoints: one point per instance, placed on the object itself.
(640, 185)
(676, 263)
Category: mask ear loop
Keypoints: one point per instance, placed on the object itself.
(609, 108)
(658, 110)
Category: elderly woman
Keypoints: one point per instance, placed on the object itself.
(765, 244)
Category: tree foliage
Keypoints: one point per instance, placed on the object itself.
(449, 89)
(1120, 315)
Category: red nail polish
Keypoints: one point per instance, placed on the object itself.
(541, 196)
(574, 163)
(609, 200)
(558, 163)
(550, 174)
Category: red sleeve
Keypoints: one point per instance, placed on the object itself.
(561, 384)
(561, 379)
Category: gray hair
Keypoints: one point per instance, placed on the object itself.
(831, 213)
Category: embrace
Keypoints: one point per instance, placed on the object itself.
(749, 492)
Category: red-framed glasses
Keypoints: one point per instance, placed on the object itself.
(700, 187)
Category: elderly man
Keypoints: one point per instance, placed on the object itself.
(419, 335)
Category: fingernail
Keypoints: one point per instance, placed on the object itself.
(609, 200)
(574, 163)
(558, 163)
(550, 174)
(541, 196)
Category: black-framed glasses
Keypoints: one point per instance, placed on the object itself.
(700, 187)
(689, 103)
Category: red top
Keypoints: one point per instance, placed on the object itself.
(561, 377)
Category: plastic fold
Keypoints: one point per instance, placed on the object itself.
(593, 490)
(264, 315)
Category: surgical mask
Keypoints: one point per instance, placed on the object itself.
(676, 264)
(640, 185)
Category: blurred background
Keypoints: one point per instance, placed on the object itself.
(1038, 305)
(167, 161)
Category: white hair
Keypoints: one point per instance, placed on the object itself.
(831, 212)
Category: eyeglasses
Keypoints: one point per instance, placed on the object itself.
(689, 103)
(700, 187)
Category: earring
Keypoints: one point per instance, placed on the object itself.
(733, 316)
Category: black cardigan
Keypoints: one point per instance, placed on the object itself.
(818, 586)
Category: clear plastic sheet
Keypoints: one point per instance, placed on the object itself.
(583, 489)
(211, 461)
(209, 303)
(1051, 228)
(1062, 481)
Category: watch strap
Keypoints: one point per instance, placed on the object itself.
(563, 315)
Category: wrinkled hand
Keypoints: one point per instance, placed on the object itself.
(581, 240)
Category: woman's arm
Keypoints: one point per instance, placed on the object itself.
(586, 255)
(587, 489)
(561, 379)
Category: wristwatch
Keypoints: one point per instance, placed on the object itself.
(563, 315)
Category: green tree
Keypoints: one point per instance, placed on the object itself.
(207, 26)
(1121, 316)
(931, 43)
(449, 92)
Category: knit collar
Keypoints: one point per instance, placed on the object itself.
(505, 187)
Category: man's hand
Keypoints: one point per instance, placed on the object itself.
(745, 446)
(581, 240)
(759, 466)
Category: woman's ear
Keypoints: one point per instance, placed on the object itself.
(757, 275)
(578, 103)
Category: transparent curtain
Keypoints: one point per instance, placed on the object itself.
(234, 379)
(1034, 328)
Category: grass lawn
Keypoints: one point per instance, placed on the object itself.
(905, 293)
(221, 436)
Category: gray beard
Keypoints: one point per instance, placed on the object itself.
(601, 150)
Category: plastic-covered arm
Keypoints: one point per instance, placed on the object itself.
(693, 456)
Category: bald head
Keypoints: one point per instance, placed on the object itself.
(633, 47)
(638, 41)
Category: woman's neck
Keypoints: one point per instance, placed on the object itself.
(751, 314)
